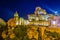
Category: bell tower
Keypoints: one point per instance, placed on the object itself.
(16, 16)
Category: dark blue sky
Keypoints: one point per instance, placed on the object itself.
(25, 7)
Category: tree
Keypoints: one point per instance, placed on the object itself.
(2, 27)
(20, 32)
(2, 22)
(52, 34)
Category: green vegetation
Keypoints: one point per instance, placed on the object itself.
(20, 32)
(52, 34)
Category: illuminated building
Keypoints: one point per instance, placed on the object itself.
(21, 21)
(40, 17)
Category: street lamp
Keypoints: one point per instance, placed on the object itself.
(53, 22)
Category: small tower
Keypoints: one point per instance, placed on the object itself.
(16, 14)
(16, 17)
(38, 10)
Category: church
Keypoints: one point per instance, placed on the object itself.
(39, 18)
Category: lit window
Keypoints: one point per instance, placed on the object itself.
(20, 23)
(30, 20)
(26, 22)
(16, 23)
(37, 18)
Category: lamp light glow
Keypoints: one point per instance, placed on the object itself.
(53, 22)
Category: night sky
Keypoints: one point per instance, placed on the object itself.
(25, 7)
